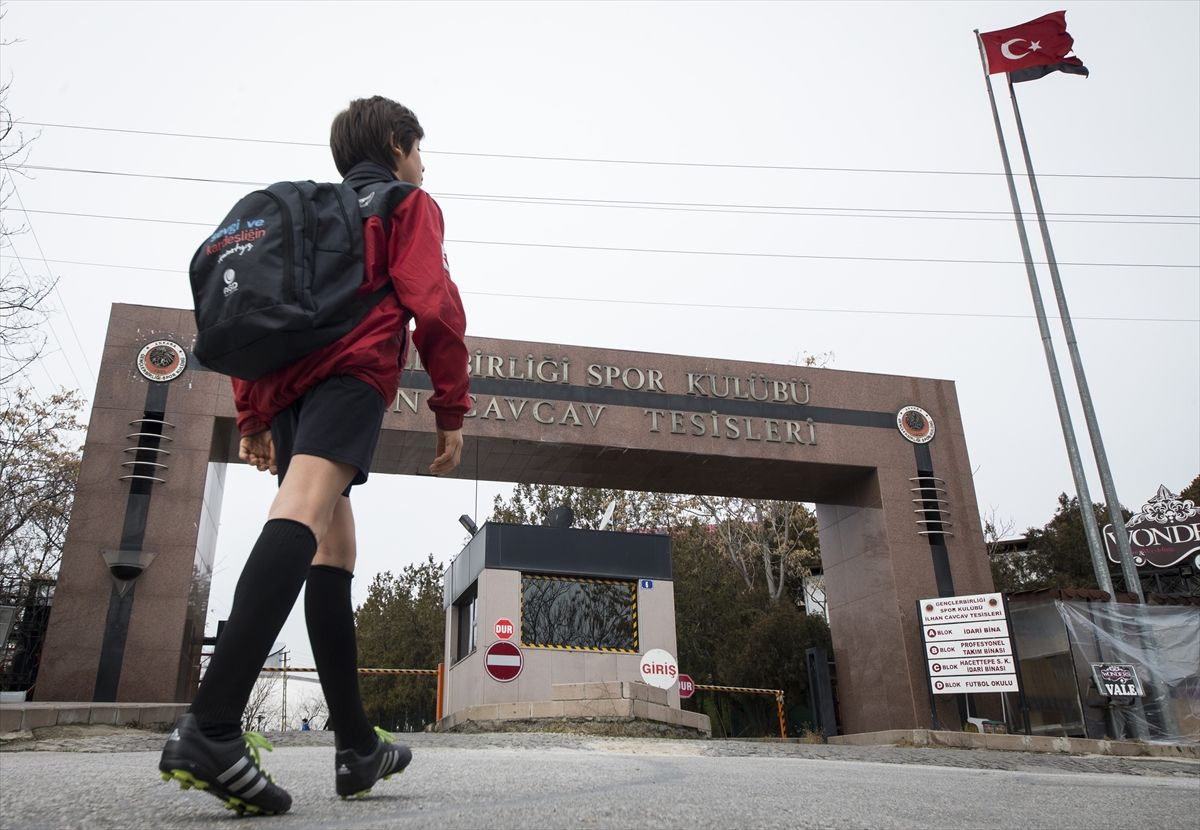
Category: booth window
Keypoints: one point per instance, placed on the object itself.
(464, 622)
(577, 613)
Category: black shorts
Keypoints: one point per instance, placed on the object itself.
(338, 419)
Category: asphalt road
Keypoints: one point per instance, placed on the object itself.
(539, 781)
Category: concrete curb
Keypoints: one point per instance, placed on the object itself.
(1017, 743)
(25, 717)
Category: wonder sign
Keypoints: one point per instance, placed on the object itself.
(1164, 534)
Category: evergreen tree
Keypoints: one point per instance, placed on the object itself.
(401, 625)
(1192, 492)
(1057, 555)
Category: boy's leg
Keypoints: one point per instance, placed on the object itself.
(329, 614)
(206, 749)
(268, 588)
(362, 757)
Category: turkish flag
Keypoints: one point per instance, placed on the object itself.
(1033, 49)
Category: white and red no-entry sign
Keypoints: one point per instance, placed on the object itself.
(504, 628)
(686, 687)
(503, 661)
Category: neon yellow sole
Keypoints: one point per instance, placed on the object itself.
(367, 791)
(187, 781)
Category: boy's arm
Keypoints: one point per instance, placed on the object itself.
(420, 273)
(256, 447)
(248, 423)
(449, 450)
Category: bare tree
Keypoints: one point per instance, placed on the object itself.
(820, 360)
(312, 707)
(1014, 567)
(775, 538)
(263, 710)
(22, 295)
(39, 466)
(996, 529)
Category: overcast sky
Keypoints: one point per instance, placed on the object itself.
(797, 178)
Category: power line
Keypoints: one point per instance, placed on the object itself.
(766, 255)
(758, 254)
(140, 175)
(769, 255)
(586, 160)
(829, 212)
(122, 218)
(699, 207)
(843, 258)
(50, 325)
(66, 312)
(676, 304)
(894, 312)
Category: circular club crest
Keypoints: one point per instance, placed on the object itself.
(161, 361)
(915, 424)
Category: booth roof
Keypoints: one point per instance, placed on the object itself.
(1085, 594)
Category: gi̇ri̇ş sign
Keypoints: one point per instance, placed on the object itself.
(968, 646)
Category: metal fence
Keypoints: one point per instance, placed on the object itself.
(24, 615)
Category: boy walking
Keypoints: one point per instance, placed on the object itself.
(315, 424)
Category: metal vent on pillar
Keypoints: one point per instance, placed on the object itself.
(148, 462)
(932, 510)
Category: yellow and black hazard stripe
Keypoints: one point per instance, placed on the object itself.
(592, 580)
(776, 693)
(742, 689)
(560, 647)
(410, 672)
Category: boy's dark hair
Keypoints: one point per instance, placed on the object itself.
(368, 129)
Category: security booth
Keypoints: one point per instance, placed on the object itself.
(562, 624)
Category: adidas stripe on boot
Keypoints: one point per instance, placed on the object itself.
(356, 774)
(230, 770)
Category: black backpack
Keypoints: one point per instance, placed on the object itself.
(280, 277)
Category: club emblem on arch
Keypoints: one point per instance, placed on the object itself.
(915, 424)
(161, 361)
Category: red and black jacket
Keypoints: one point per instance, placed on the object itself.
(409, 253)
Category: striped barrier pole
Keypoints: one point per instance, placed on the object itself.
(777, 693)
(441, 691)
(413, 672)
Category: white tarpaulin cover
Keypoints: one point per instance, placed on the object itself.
(1162, 642)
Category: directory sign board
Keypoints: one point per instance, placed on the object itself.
(968, 645)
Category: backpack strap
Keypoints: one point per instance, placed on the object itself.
(380, 199)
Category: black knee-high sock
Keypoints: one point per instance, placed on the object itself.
(265, 594)
(329, 613)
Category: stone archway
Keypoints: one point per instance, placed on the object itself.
(883, 457)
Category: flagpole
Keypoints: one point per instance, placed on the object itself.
(1133, 582)
(1091, 530)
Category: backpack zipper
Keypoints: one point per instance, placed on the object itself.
(342, 207)
(310, 233)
